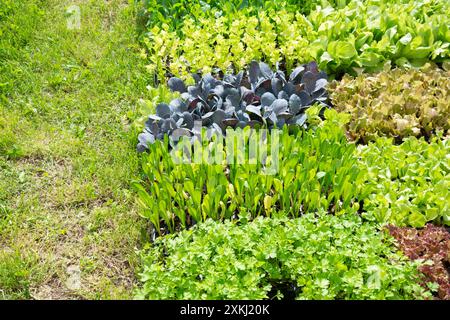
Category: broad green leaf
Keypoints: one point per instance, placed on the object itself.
(417, 220)
(342, 49)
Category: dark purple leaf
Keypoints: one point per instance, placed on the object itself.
(162, 110)
(277, 86)
(266, 72)
(312, 67)
(232, 122)
(320, 84)
(279, 106)
(309, 80)
(267, 99)
(254, 110)
(176, 84)
(295, 103)
(296, 75)
(253, 73)
(283, 95)
(305, 98)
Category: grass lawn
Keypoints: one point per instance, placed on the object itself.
(68, 222)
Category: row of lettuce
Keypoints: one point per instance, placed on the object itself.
(375, 155)
(360, 36)
(172, 12)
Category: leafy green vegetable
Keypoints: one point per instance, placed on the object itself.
(317, 256)
(407, 184)
(396, 103)
(361, 36)
(173, 12)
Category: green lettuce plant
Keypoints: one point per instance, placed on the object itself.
(396, 103)
(362, 36)
(173, 12)
(407, 184)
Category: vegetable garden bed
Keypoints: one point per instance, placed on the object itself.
(362, 164)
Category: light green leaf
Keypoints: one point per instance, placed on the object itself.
(406, 39)
(417, 220)
(344, 50)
